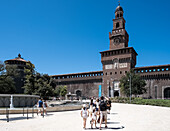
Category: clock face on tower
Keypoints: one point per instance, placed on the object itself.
(116, 41)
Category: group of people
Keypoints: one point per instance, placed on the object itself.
(42, 105)
(97, 111)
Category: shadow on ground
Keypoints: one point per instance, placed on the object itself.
(113, 122)
(114, 113)
(109, 128)
(17, 118)
(22, 118)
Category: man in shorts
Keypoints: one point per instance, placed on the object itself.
(40, 106)
(103, 112)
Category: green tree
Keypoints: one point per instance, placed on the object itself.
(63, 91)
(57, 91)
(36, 83)
(43, 86)
(7, 84)
(29, 82)
(137, 84)
(60, 91)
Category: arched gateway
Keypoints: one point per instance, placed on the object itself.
(78, 93)
(167, 93)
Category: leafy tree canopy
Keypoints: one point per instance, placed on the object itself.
(137, 84)
(7, 84)
(60, 91)
(29, 81)
(36, 83)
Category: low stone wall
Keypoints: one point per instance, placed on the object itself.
(49, 109)
(18, 100)
(63, 108)
(18, 111)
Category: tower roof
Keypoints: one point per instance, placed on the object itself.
(119, 8)
(19, 58)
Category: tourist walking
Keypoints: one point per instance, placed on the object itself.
(103, 112)
(94, 118)
(45, 107)
(40, 106)
(109, 105)
(97, 108)
(84, 115)
(91, 104)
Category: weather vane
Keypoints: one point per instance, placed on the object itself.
(119, 2)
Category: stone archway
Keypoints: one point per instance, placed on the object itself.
(78, 93)
(116, 94)
(167, 93)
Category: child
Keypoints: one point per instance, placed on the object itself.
(84, 114)
(94, 117)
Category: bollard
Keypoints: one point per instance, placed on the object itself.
(23, 111)
(32, 111)
(27, 113)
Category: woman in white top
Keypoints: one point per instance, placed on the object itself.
(91, 107)
(84, 115)
(94, 117)
(97, 107)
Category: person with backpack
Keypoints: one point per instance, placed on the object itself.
(103, 112)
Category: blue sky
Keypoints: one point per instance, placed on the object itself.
(66, 36)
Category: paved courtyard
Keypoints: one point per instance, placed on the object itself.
(123, 117)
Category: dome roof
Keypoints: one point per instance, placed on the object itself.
(119, 8)
(19, 58)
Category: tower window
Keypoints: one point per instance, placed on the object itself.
(117, 25)
(117, 15)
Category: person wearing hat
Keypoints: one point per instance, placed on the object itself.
(84, 115)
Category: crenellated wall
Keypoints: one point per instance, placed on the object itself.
(157, 79)
(83, 84)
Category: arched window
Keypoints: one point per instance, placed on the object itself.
(117, 24)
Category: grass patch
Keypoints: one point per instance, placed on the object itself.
(141, 101)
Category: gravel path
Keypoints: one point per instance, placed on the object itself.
(123, 117)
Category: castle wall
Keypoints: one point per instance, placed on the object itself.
(157, 79)
(86, 83)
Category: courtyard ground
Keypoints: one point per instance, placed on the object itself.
(123, 117)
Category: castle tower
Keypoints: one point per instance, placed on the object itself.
(19, 63)
(119, 59)
(119, 37)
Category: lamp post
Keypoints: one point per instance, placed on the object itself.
(112, 87)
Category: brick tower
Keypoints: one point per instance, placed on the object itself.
(19, 64)
(119, 59)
